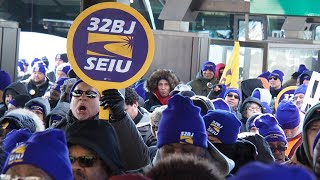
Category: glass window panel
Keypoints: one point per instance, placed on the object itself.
(288, 59)
(251, 59)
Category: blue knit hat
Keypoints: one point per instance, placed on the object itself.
(46, 150)
(39, 67)
(264, 75)
(262, 94)
(221, 104)
(223, 124)
(14, 138)
(182, 123)
(288, 114)
(302, 89)
(277, 73)
(22, 63)
(64, 67)
(34, 61)
(234, 90)
(208, 65)
(5, 80)
(73, 87)
(269, 128)
(266, 108)
(316, 140)
(58, 84)
(302, 68)
(261, 171)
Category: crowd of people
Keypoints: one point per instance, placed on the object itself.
(161, 128)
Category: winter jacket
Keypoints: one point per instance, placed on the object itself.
(61, 110)
(143, 124)
(152, 102)
(134, 152)
(37, 91)
(302, 156)
(200, 84)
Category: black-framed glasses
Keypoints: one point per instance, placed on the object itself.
(233, 95)
(89, 94)
(273, 77)
(279, 148)
(84, 161)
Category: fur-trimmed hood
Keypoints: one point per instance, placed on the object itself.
(24, 118)
(152, 83)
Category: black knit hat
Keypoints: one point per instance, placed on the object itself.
(100, 137)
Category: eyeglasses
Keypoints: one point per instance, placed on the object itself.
(84, 161)
(89, 94)
(233, 95)
(273, 77)
(279, 148)
(254, 108)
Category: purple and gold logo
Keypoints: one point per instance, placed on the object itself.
(186, 137)
(110, 44)
(17, 154)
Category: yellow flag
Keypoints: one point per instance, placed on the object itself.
(230, 75)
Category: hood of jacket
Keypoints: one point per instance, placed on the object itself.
(23, 118)
(104, 141)
(145, 120)
(17, 87)
(312, 115)
(218, 68)
(152, 83)
(248, 85)
(43, 102)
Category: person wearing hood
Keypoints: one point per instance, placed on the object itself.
(18, 102)
(223, 128)
(294, 76)
(55, 92)
(311, 126)
(159, 85)
(5, 81)
(94, 150)
(274, 135)
(275, 81)
(249, 107)
(41, 107)
(38, 83)
(288, 116)
(10, 92)
(232, 96)
(182, 130)
(304, 78)
(19, 119)
(85, 102)
(219, 70)
(316, 156)
(205, 79)
(139, 115)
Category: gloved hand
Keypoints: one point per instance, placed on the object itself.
(113, 99)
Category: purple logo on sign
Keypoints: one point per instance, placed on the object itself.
(116, 45)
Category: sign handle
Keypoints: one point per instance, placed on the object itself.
(104, 113)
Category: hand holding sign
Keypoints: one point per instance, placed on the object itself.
(110, 46)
